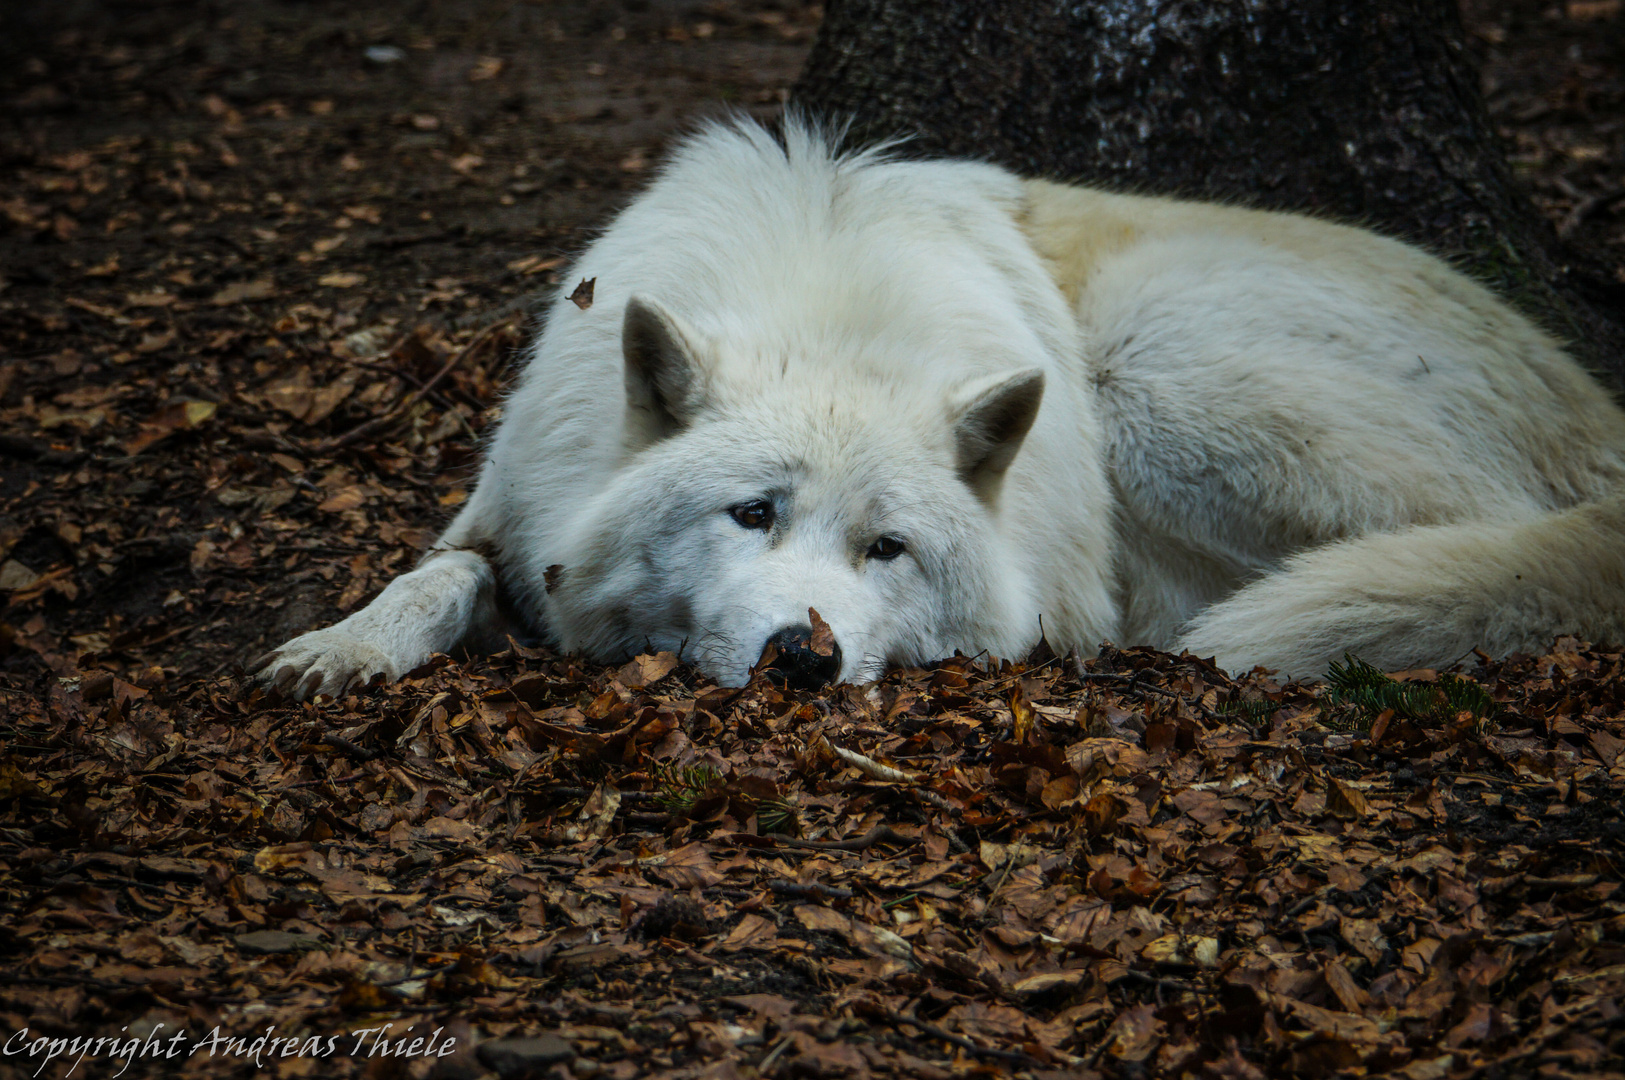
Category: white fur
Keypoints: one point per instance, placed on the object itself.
(1261, 436)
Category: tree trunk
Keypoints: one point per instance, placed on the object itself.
(1364, 110)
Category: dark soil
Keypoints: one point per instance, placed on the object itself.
(1554, 77)
(267, 267)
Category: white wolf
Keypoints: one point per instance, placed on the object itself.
(951, 409)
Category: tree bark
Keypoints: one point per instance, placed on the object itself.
(1367, 111)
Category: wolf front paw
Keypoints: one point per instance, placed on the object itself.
(322, 662)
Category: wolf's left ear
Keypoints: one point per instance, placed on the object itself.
(991, 417)
(664, 377)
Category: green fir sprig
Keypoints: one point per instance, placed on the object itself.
(1255, 714)
(680, 788)
(1363, 693)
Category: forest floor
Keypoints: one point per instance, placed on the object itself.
(266, 267)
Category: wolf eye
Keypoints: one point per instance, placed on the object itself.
(756, 514)
(887, 547)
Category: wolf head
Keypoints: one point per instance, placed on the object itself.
(755, 487)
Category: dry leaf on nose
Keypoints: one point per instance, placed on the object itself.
(823, 638)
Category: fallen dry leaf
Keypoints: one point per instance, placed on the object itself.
(582, 296)
(244, 291)
(176, 416)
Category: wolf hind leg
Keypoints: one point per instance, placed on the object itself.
(449, 600)
(1428, 595)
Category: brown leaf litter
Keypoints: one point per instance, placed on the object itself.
(630, 872)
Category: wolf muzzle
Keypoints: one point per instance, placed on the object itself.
(796, 664)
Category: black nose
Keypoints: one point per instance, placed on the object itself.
(797, 664)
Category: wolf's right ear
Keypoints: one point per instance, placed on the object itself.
(991, 417)
(664, 374)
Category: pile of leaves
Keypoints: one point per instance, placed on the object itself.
(1132, 867)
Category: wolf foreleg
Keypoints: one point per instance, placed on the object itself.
(450, 598)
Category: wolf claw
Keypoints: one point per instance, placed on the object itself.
(321, 662)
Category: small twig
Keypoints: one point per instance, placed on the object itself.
(1584, 205)
(1137, 684)
(962, 1042)
(689, 953)
(1004, 874)
(772, 1058)
(388, 419)
(390, 369)
(727, 703)
(145, 886)
(427, 973)
(433, 395)
(869, 766)
(565, 794)
(1011, 680)
(327, 780)
(1567, 1029)
(1100, 1049)
(878, 835)
(21, 446)
(1163, 984)
(809, 888)
(361, 753)
(938, 801)
(90, 862)
(18, 977)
